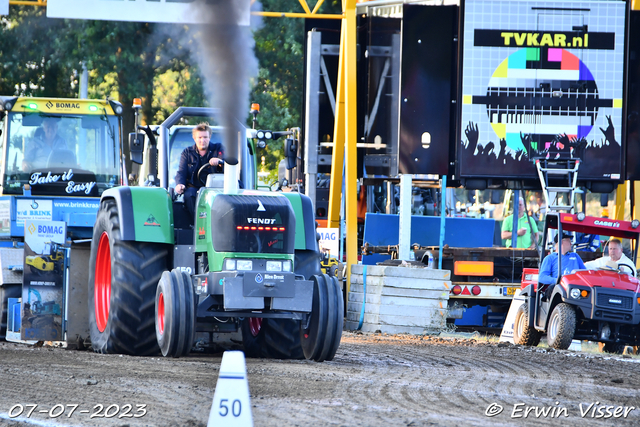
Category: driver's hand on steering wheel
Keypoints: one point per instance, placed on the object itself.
(179, 188)
(214, 161)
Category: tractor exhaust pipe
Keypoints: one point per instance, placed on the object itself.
(231, 167)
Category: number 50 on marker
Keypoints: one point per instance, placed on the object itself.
(231, 405)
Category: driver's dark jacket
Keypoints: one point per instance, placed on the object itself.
(191, 161)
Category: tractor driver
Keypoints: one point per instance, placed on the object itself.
(203, 152)
(571, 261)
(45, 141)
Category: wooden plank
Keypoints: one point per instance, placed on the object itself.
(399, 282)
(391, 329)
(405, 311)
(357, 297)
(399, 292)
(409, 272)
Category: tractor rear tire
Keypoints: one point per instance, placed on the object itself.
(175, 314)
(523, 333)
(279, 338)
(123, 276)
(7, 291)
(252, 336)
(562, 326)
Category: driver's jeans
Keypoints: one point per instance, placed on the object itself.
(190, 195)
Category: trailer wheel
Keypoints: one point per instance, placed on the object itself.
(562, 326)
(175, 314)
(123, 276)
(523, 333)
(313, 337)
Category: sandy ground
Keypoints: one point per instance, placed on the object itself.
(374, 380)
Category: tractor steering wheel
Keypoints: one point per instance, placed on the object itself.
(202, 176)
(622, 264)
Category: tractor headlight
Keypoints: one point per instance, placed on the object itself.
(274, 265)
(635, 223)
(244, 264)
(229, 264)
(286, 265)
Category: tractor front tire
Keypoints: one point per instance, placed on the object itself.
(175, 314)
(123, 276)
(523, 333)
(562, 326)
(320, 340)
(332, 342)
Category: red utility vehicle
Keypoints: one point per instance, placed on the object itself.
(596, 305)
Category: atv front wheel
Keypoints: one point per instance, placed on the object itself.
(562, 326)
(523, 333)
(123, 276)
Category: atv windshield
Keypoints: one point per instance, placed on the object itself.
(62, 155)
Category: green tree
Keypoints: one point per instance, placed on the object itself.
(33, 64)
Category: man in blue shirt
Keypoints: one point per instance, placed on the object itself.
(548, 274)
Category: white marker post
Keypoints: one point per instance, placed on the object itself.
(507, 329)
(231, 405)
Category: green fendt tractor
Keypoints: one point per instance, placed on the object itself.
(249, 262)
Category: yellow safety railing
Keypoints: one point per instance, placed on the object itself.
(28, 2)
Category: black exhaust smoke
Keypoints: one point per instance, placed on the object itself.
(227, 64)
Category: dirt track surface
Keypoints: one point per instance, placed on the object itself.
(374, 380)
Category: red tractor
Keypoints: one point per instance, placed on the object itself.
(600, 305)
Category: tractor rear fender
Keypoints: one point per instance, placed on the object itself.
(305, 222)
(146, 213)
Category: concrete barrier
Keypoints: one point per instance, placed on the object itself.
(409, 300)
